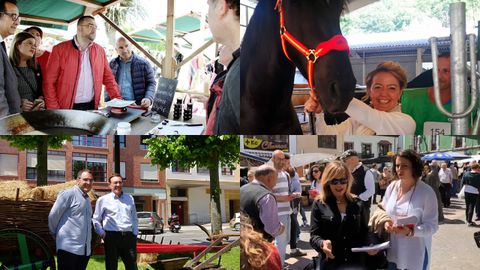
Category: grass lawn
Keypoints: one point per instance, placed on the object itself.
(230, 261)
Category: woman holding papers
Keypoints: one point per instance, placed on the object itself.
(337, 219)
(412, 207)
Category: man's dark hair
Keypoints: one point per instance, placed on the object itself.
(83, 18)
(287, 156)
(2, 4)
(114, 175)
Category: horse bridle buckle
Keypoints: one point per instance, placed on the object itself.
(311, 56)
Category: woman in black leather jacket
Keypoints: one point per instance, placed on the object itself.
(337, 221)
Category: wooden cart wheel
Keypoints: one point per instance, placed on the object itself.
(21, 248)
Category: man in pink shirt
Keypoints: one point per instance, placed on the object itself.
(77, 69)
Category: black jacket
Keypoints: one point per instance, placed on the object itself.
(351, 232)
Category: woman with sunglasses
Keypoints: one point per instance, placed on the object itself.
(337, 219)
(412, 206)
(315, 175)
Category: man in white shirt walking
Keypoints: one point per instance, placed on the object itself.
(115, 220)
(446, 178)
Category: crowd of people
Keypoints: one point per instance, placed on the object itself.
(73, 74)
(411, 194)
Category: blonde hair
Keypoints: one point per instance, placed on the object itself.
(335, 170)
(254, 249)
(391, 67)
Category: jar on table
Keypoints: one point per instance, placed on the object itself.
(124, 128)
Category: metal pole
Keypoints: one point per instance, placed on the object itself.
(458, 67)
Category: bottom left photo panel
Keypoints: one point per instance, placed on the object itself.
(119, 202)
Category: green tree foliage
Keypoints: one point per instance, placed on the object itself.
(200, 151)
(392, 15)
(40, 143)
(123, 14)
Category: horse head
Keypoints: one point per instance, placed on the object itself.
(314, 27)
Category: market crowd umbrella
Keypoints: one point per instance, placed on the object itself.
(444, 156)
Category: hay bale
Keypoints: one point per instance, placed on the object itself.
(146, 258)
(51, 192)
(8, 189)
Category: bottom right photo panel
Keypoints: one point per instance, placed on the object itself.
(359, 202)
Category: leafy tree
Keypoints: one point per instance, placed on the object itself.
(41, 143)
(200, 151)
(122, 13)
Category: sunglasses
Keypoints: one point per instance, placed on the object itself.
(315, 171)
(342, 181)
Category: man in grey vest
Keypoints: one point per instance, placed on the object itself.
(9, 96)
(363, 182)
(259, 203)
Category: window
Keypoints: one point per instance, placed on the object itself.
(143, 145)
(91, 141)
(347, 146)
(8, 165)
(95, 163)
(148, 172)
(176, 167)
(327, 141)
(55, 165)
(203, 170)
(227, 171)
(367, 150)
(121, 140)
(458, 142)
(178, 192)
(383, 148)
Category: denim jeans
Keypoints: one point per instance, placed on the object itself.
(281, 241)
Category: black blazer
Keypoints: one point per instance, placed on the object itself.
(327, 224)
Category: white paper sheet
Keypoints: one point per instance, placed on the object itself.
(176, 128)
(380, 246)
(119, 103)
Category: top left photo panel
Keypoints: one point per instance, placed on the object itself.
(125, 67)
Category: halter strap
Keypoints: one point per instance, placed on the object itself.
(335, 43)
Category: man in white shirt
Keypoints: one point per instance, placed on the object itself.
(363, 181)
(446, 178)
(115, 220)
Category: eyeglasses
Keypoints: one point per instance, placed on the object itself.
(91, 26)
(14, 16)
(342, 181)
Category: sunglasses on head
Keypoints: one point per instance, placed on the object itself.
(342, 181)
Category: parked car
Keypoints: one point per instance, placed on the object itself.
(149, 221)
(235, 222)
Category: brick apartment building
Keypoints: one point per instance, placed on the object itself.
(149, 186)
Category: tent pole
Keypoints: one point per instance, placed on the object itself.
(133, 42)
(195, 53)
(169, 66)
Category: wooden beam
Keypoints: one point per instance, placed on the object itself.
(87, 3)
(133, 42)
(169, 71)
(43, 19)
(195, 53)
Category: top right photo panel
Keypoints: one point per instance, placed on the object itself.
(359, 67)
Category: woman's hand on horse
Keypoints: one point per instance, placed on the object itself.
(312, 106)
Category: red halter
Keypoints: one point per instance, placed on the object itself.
(337, 43)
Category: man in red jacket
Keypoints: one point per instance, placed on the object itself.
(77, 69)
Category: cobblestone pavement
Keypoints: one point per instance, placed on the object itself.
(453, 244)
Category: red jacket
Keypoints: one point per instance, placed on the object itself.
(60, 82)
